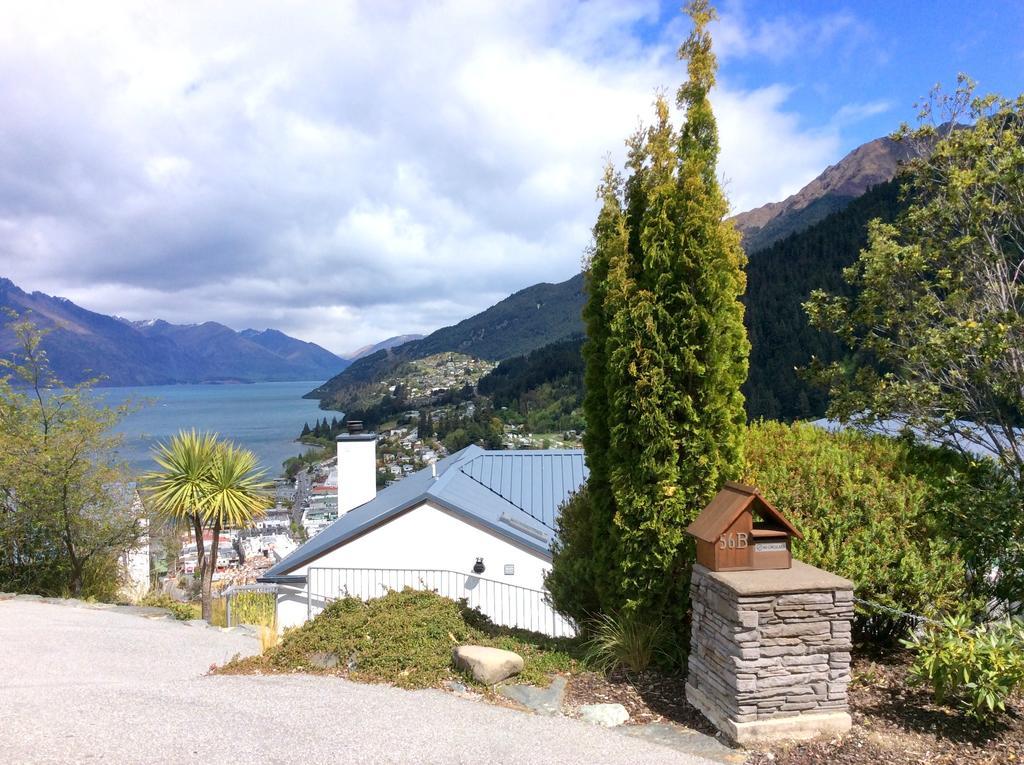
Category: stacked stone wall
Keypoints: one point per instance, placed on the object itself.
(761, 657)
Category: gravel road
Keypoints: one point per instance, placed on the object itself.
(85, 685)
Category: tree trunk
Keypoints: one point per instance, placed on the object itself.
(209, 566)
(197, 526)
(77, 578)
(76, 575)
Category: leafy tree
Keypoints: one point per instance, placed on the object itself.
(425, 427)
(977, 507)
(205, 482)
(937, 323)
(482, 427)
(65, 501)
(666, 354)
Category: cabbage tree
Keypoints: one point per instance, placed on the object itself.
(205, 482)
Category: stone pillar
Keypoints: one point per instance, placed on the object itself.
(770, 652)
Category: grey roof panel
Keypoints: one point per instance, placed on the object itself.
(536, 482)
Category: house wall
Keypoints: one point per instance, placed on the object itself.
(135, 565)
(427, 537)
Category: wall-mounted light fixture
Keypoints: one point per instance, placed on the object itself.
(478, 567)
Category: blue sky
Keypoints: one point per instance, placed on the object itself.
(879, 56)
(351, 170)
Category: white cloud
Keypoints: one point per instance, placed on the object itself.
(785, 37)
(766, 154)
(342, 172)
(851, 113)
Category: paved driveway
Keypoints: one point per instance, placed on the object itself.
(84, 685)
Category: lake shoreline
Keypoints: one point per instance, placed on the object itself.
(264, 417)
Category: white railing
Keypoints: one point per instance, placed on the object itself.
(505, 604)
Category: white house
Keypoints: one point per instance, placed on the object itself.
(135, 564)
(477, 525)
(134, 561)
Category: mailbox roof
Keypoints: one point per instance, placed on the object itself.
(725, 508)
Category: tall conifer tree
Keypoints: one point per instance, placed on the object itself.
(666, 354)
(610, 246)
(642, 453)
(712, 263)
(585, 548)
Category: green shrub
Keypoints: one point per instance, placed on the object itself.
(180, 610)
(863, 514)
(976, 666)
(978, 508)
(623, 640)
(257, 608)
(406, 638)
(571, 581)
(102, 579)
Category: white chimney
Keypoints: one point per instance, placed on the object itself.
(357, 468)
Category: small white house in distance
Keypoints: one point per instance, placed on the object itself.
(476, 525)
(133, 562)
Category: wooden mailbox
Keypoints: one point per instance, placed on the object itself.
(739, 530)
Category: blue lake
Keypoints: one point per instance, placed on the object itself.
(263, 417)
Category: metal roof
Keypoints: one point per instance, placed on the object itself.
(537, 482)
(515, 494)
(960, 434)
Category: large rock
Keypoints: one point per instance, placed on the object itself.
(323, 659)
(608, 715)
(487, 665)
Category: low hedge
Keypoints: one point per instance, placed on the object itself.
(865, 514)
(406, 638)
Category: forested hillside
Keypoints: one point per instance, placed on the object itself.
(544, 388)
(537, 331)
(779, 280)
(522, 322)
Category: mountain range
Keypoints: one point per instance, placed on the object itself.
(81, 344)
(391, 342)
(868, 165)
(551, 313)
(524, 321)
